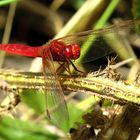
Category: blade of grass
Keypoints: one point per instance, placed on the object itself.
(4, 2)
(85, 12)
(7, 30)
(101, 22)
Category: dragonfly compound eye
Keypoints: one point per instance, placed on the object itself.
(75, 48)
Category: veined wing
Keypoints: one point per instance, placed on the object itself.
(57, 110)
(82, 36)
(97, 42)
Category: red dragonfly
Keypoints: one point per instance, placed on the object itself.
(65, 50)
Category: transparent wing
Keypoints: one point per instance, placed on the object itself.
(97, 42)
(57, 110)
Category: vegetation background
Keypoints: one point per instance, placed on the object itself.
(35, 22)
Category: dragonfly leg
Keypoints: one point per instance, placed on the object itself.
(75, 67)
(68, 68)
(64, 66)
(60, 67)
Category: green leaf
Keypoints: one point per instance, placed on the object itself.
(13, 129)
(35, 100)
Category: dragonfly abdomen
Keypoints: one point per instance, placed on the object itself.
(20, 49)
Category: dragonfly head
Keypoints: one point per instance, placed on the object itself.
(72, 51)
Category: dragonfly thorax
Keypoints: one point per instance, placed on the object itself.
(62, 52)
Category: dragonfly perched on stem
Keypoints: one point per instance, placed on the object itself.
(64, 50)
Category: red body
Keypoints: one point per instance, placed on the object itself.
(62, 52)
(55, 51)
(59, 51)
(20, 49)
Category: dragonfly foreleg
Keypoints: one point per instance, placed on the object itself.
(75, 67)
(63, 66)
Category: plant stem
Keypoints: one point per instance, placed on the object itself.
(93, 84)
